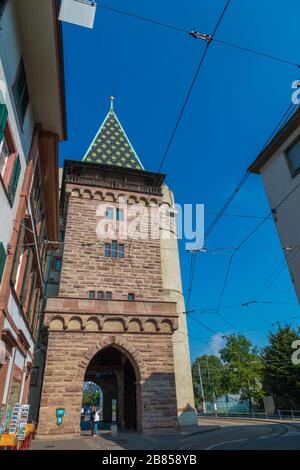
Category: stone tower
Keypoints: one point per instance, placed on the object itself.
(118, 319)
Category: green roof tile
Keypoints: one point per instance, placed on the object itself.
(111, 145)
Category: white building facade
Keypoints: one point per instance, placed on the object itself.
(32, 121)
(279, 166)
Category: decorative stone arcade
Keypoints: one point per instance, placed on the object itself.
(117, 294)
(76, 342)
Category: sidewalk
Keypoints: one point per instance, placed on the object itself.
(126, 440)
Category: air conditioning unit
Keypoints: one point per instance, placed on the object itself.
(79, 12)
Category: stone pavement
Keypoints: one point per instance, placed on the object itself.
(125, 440)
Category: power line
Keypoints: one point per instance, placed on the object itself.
(197, 35)
(258, 53)
(179, 120)
(227, 203)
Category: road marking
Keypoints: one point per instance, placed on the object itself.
(270, 437)
(225, 442)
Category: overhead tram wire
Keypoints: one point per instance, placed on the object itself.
(234, 194)
(191, 87)
(185, 31)
(283, 200)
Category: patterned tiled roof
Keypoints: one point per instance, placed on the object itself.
(111, 146)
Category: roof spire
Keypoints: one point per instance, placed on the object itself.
(111, 145)
(112, 99)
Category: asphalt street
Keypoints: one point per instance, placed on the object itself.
(245, 435)
(211, 434)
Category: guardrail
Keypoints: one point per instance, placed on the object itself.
(288, 415)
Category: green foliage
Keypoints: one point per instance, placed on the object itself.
(281, 378)
(243, 368)
(91, 394)
(212, 371)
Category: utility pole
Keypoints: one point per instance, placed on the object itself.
(211, 387)
(201, 387)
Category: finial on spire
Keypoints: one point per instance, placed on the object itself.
(111, 102)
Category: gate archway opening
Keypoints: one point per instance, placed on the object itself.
(116, 373)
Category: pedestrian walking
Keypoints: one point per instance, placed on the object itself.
(92, 420)
(96, 422)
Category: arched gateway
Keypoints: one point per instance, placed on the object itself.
(119, 306)
(117, 374)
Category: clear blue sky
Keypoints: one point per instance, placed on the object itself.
(236, 102)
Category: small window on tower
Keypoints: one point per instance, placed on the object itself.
(107, 250)
(58, 264)
(108, 295)
(100, 294)
(91, 294)
(109, 214)
(131, 297)
(120, 214)
(121, 251)
(114, 249)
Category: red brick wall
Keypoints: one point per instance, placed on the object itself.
(86, 268)
(70, 353)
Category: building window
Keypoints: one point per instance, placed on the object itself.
(293, 157)
(121, 251)
(58, 264)
(109, 214)
(120, 215)
(10, 166)
(2, 6)
(34, 377)
(2, 259)
(100, 294)
(131, 297)
(114, 250)
(21, 94)
(108, 295)
(91, 294)
(107, 250)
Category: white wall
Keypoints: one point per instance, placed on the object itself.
(10, 55)
(279, 183)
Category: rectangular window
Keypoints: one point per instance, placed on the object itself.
(107, 250)
(109, 214)
(21, 94)
(131, 297)
(91, 294)
(121, 251)
(293, 157)
(114, 249)
(120, 214)
(2, 259)
(58, 264)
(108, 295)
(2, 6)
(13, 184)
(26, 277)
(100, 294)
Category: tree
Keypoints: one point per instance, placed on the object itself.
(91, 394)
(281, 378)
(243, 368)
(212, 378)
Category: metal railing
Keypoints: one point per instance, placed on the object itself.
(288, 415)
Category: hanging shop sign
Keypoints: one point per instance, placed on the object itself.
(79, 12)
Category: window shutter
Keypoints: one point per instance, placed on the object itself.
(25, 282)
(3, 119)
(18, 253)
(2, 259)
(13, 184)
